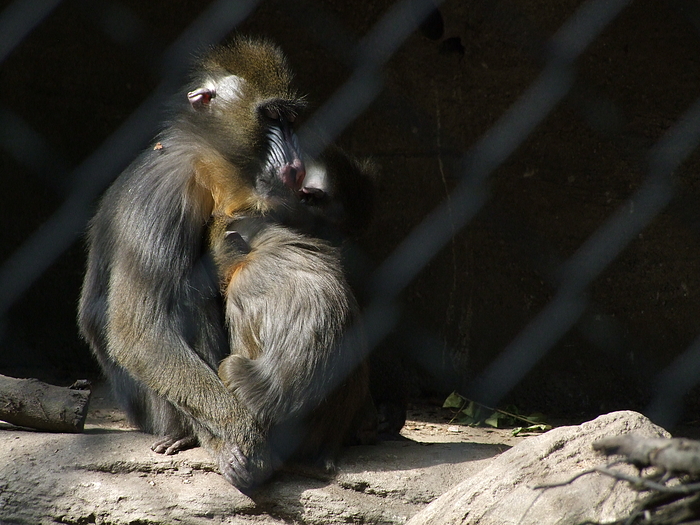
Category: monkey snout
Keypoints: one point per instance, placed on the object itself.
(293, 173)
(299, 172)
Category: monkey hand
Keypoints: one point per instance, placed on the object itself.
(246, 465)
(243, 472)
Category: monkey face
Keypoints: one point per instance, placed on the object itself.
(244, 104)
(283, 162)
(340, 189)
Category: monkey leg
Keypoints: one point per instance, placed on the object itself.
(149, 412)
(155, 415)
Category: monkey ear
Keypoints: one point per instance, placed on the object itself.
(200, 98)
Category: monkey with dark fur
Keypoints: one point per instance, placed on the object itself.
(297, 354)
(150, 306)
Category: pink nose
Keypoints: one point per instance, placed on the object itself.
(292, 174)
(298, 165)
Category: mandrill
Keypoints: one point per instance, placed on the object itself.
(296, 351)
(150, 306)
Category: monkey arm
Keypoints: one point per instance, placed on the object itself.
(162, 326)
(152, 342)
(163, 322)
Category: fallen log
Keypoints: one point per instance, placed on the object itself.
(34, 404)
(676, 455)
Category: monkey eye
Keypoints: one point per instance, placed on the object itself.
(272, 113)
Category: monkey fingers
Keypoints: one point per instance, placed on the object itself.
(170, 445)
(246, 474)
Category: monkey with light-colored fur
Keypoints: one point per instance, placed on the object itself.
(298, 357)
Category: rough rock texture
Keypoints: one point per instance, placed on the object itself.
(503, 493)
(109, 475)
(113, 478)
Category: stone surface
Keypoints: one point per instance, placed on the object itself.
(503, 493)
(109, 475)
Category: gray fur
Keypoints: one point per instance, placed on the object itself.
(297, 357)
(150, 306)
(291, 297)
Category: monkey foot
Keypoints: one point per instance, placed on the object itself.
(170, 445)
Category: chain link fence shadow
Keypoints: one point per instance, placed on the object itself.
(572, 302)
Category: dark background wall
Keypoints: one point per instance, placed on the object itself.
(87, 66)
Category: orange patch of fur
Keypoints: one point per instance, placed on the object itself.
(233, 273)
(231, 194)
